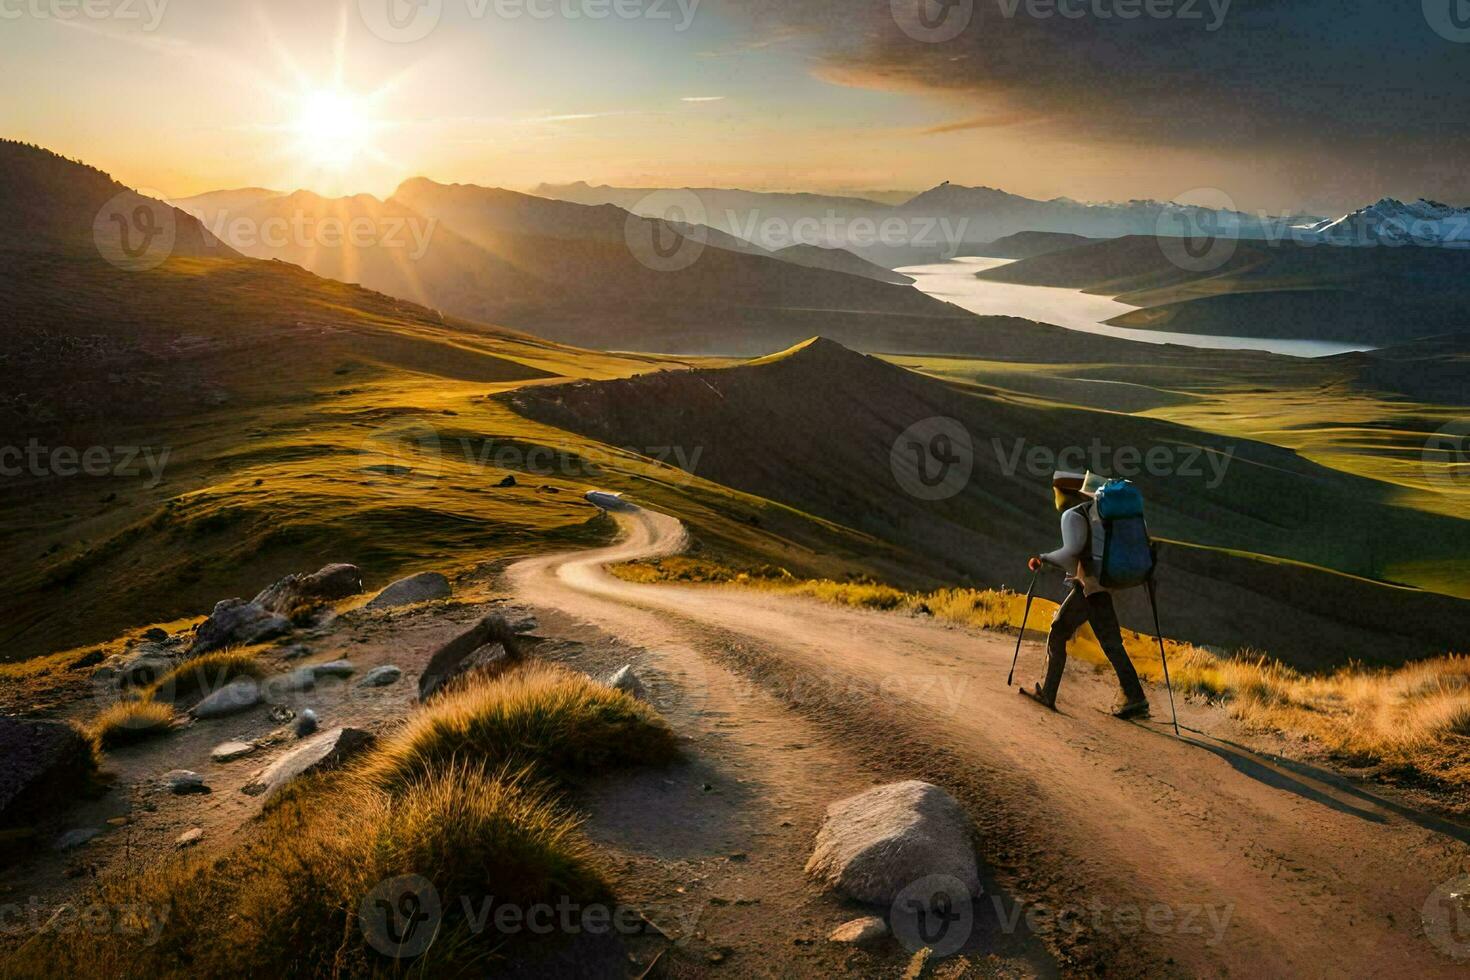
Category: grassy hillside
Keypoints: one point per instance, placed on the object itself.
(817, 428)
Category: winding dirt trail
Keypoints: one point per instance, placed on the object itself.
(1146, 852)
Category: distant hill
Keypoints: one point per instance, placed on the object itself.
(1029, 244)
(755, 425)
(841, 260)
(567, 271)
(1282, 290)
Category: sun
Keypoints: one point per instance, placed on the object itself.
(333, 128)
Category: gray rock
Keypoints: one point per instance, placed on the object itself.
(143, 668)
(415, 588)
(298, 681)
(42, 765)
(306, 724)
(526, 624)
(295, 651)
(190, 837)
(294, 591)
(184, 782)
(337, 668)
(236, 622)
(238, 695)
(860, 932)
(381, 676)
(319, 753)
(488, 643)
(230, 751)
(76, 838)
(873, 845)
(623, 679)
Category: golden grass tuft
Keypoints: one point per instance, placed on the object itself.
(129, 721)
(438, 801)
(535, 715)
(205, 673)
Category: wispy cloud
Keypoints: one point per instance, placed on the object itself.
(703, 98)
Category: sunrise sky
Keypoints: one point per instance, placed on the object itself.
(183, 96)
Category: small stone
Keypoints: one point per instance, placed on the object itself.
(858, 932)
(230, 751)
(76, 838)
(414, 589)
(298, 681)
(190, 837)
(336, 668)
(306, 724)
(155, 635)
(295, 651)
(623, 679)
(381, 676)
(184, 782)
(239, 695)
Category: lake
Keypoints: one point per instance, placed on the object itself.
(954, 282)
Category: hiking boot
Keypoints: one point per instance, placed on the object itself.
(1035, 694)
(1136, 707)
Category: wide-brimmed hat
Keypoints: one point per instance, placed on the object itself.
(1067, 480)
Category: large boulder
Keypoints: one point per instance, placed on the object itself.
(42, 765)
(875, 844)
(295, 591)
(236, 622)
(415, 588)
(319, 753)
(144, 667)
(238, 695)
(488, 645)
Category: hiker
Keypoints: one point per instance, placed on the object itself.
(1088, 601)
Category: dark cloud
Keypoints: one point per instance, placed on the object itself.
(1366, 88)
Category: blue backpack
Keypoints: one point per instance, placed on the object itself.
(1122, 552)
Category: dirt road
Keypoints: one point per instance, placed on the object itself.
(1128, 847)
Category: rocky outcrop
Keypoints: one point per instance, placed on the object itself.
(875, 844)
(489, 645)
(320, 753)
(860, 932)
(416, 588)
(236, 622)
(295, 592)
(42, 765)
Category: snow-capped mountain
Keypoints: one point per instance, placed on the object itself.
(1392, 222)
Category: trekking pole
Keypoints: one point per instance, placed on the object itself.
(1159, 632)
(1021, 633)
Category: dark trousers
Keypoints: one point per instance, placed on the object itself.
(1076, 609)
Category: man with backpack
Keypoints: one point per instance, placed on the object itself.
(1104, 546)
